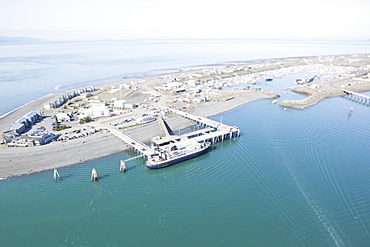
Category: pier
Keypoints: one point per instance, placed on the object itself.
(138, 146)
(206, 122)
(164, 127)
(212, 131)
(357, 97)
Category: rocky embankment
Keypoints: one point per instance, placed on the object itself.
(313, 98)
(272, 94)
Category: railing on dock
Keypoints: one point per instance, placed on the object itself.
(220, 129)
(212, 131)
(357, 97)
(131, 141)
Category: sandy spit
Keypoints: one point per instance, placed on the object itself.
(21, 161)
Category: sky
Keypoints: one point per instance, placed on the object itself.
(341, 20)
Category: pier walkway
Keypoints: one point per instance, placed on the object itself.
(137, 145)
(214, 137)
(205, 122)
(141, 155)
(360, 98)
(212, 131)
(164, 127)
(175, 138)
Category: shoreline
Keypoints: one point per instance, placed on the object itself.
(162, 72)
(23, 161)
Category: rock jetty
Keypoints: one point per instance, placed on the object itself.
(313, 98)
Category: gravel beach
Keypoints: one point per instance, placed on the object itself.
(21, 161)
(16, 161)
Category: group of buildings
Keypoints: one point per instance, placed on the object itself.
(188, 90)
(103, 109)
(67, 96)
(25, 122)
(16, 136)
(181, 87)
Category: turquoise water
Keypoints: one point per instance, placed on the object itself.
(293, 178)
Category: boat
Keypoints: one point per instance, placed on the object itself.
(301, 81)
(175, 152)
(350, 111)
(274, 101)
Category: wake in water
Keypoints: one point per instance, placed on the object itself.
(252, 163)
(316, 209)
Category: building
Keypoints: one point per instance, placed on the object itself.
(34, 139)
(86, 95)
(25, 122)
(96, 111)
(34, 116)
(18, 127)
(63, 117)
(119, 103)
(130, 106)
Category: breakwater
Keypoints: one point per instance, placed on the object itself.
(315, 96)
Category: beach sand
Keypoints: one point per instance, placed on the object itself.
(21, 161)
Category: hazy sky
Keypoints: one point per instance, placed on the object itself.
(125, 19)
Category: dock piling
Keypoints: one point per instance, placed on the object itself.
(123, 167)
(94, 175)
(56, 175)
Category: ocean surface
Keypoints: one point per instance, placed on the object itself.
(293, 178)
(31, 70)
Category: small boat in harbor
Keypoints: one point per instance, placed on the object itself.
(350, 111)
(176, 152)
(305, 80)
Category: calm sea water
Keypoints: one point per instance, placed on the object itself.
(294, 178)
(29, 71)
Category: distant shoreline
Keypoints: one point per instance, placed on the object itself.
(15, 161)
(21, 161)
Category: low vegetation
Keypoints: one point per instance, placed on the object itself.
(59, 126)
(85, 120)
